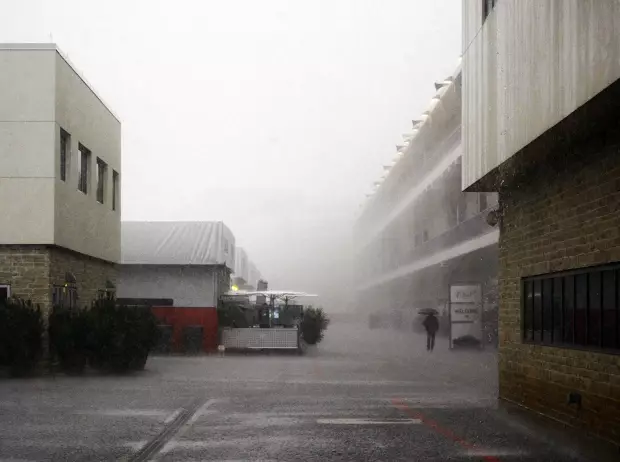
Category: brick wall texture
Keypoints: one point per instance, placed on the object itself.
(32, 271)
(26, 269)
(90, 273)
(564, 213)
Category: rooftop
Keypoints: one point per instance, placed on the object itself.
(54, 47)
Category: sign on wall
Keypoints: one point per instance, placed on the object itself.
(465, 315)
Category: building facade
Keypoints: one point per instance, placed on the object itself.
(541, 105)
(60, 170)
(418, 232)
(187, 263)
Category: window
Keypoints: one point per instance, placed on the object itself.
(573, 308)
(65, 153)
(83, 169)
(483, 202)
(487, 7)
(461, 208)
(114, 190)
(102, 174)
(5, 292)
(425, 235)
(65, 296)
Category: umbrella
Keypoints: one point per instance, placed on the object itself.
(428, 311)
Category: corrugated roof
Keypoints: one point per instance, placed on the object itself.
(176, 243)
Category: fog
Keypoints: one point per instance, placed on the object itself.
(273, 116)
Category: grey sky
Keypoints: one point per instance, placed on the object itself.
(274, 116)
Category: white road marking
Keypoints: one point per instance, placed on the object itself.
(195, 416)
(489, 452)
(346, 421)
(172, 416)
(155, 413)
(201, 410)
(135, 445)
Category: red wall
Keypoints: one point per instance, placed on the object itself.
(179, 317)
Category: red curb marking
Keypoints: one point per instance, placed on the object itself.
(445, 432)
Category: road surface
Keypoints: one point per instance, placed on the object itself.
(361, 395)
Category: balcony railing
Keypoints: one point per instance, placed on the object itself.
(464, 231)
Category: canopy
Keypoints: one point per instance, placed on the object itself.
(270, 293)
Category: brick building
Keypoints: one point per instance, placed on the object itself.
(418, 232)
(541, 112)
(60, 159)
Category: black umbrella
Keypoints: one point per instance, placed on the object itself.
(428, 311)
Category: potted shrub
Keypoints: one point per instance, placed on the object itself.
(313, 325)
(121, 337)
(68, 338)
(21, 335)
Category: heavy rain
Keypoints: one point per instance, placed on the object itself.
(309, 230)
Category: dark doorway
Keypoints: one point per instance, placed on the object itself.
(4, 293)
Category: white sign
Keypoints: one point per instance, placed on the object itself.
(463, 312)
(466, 294)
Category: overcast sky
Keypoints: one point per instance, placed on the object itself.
(274, 116)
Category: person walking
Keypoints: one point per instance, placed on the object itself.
(431, 324)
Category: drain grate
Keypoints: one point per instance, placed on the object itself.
(155, 445)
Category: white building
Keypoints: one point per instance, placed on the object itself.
(541, 112)
(60, 170)
(418, 232)
(189, 263)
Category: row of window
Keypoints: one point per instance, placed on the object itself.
(576, 309)
(62, 295)
(84, 159)
(411, 169)
(394, 247)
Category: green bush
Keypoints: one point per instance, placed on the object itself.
(232, 316)
(120, 337)
(313, 325)
(21, 335)
(69, 338)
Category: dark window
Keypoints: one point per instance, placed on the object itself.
(65, 296)
(425, 235)
(528, 310)
(83, 169)
(65, 153)
(102, 173)
(573, 308)
(461, 208)
(610, 313)
(487, 7)
(569, 310)
(483, 202)
(5, 292)
(114, 190)
(537, 321)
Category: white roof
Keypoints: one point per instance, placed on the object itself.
(177, 243)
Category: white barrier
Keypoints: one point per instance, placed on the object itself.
(261, 338)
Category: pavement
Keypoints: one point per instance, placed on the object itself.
(360, 395)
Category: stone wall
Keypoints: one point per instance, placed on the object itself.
(32, 271)
(564, 213)
(26, 269)
(91, 274)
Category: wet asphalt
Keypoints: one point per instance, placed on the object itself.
(361, 395)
